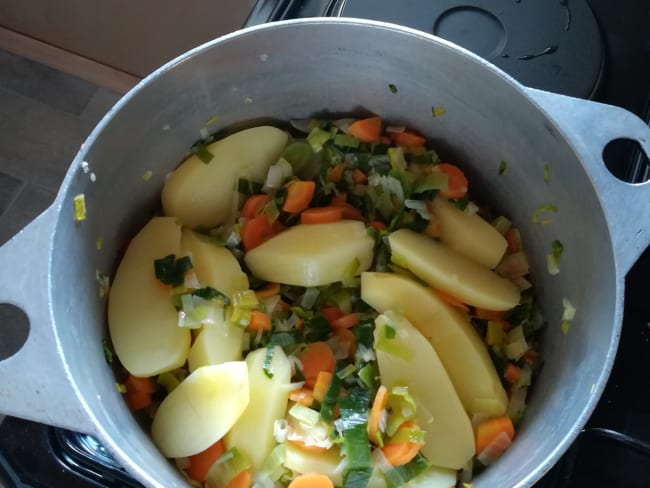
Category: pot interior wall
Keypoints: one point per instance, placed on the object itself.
(296, 70)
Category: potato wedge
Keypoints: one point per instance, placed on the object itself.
(312, 255)
(142, 321)
(469, 234)
(199, 411)
(215, 265)
(201, 194)
(445, 269)
(215, 344)
(460, 348)
(253, 432)
(449, 438)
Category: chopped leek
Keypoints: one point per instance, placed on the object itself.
(392, 88)
(248, 187)
(539, 211)
(305, 415)
(229, 465)
(268, 358)
(547, 174)
(245, 299)
(438, 111)
(299, 154)
(503, 167)
(108, 352)
(202, 152)
(120, 387)
(569, 311)
(502, 224)
(553, 259)
(400, 475)
(354, 429)
(146, 176)
(346, 140)
(168, 380)
(516, 345)
(171, 271)
(317, 138)
(331, 396)
(79, 207)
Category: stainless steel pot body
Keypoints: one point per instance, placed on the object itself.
(311, 67)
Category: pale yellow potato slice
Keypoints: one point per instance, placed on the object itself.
(201, 194)
(446, 270)
(253, 432)
(326, 463)
(461, 350)
(449, 438)
(199, 411)
(142, 321)
(215, 265)
(313, 255)
(215, 344)
(469, 234)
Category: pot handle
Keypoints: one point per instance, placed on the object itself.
(36, 383)
(590, 126)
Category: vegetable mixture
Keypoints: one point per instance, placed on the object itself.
(325, 307)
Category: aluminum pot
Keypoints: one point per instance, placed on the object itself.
(296, 69)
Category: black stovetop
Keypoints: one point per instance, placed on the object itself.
(597, 49)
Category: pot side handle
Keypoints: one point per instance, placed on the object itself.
(590, 126)
(36, 383)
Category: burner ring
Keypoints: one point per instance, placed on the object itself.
(474, 28)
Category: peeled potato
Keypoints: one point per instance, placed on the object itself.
(445, 269)
(215, 344)
(253, 432)
(449, 438)
(215, 265)
(199, 411)
(469, 234)
(201, 194)
(312, 255)
(460, 348)
(142, 321)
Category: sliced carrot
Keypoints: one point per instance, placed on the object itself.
(366, 130)
(259, 321)
(351, 213)
(316, 357)
(346, 321)
(378, 406)
(323, 381)
(399, 453)
(450, 299)
(299, 194)
(140, 383)
(512, 373)
(457, 181)
(137, 400)
(311, 480)
(407, 139)
(256, 231)
(433, 228)
(531, 357)
(487, 430)
(339, 199)
(299, 324)
(513, 238)
(303, 447)
(321, 215)
(377, 224)
(359, 177)
(346, 338)
(243, 480)
(496, 316)
(335, 173)
(254, 205)
(332, 313)
(304, 396)
(270, 289)
(201, 463)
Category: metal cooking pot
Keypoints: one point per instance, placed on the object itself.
(297, 69)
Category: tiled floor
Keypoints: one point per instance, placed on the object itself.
(45, 115)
